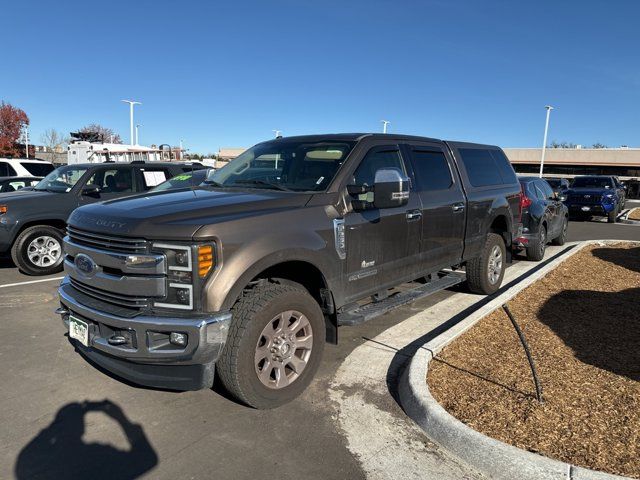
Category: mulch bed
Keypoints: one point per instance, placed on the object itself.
(634, 214)
(582, 322)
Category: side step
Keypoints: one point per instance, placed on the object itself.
(375, 309)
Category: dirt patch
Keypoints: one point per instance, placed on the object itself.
(634, 214)
(582, 322)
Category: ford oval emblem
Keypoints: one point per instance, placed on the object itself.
(85, 264)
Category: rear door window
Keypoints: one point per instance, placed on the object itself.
(431, 169)
(6, 170)
(481, 167)
(38, 169)
(153, 176)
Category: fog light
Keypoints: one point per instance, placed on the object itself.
(179, 339)
(183, 296)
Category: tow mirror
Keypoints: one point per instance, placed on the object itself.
(391, 188)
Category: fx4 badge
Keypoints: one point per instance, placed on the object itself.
(368, 264)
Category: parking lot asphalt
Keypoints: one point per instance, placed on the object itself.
(63, 418)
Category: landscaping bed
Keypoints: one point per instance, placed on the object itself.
(582, 322)
(634, 214)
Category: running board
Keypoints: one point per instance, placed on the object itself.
(372, 310)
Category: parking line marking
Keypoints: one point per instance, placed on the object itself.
(29, 282)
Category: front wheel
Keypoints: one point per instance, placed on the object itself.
(275, 345)
(38, 250)
(612, 215)
(485, 273)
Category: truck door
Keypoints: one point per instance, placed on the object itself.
(443, 205)
(382, 244)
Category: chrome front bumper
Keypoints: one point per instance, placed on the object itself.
(146, 350)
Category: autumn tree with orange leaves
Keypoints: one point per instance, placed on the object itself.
(12, 121)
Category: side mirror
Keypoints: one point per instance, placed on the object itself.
(91, 190)
(391, 188)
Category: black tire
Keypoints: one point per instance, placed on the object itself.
(252, 313)
(562, 238)
(27, 241)
(478, 271)
(536, 251)
(612, 216)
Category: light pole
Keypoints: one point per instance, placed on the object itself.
(544, 142)
(26, 138)
(131, 104)
(181, 149)
(137, 127)
(384, 125)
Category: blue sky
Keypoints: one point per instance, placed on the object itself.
(227, 73)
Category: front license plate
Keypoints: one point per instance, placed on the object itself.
(79, 330)
(586, 209)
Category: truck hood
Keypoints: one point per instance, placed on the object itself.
(590, 191)
(178, 215)
(29, 195)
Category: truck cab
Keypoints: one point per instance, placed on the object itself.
(246, 277)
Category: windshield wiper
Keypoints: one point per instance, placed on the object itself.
(275, 186)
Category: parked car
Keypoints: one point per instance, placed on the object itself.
(12, 184)
(560, 186)
(545, 218)
(23, 167)
(249, 274)
(596, 195)
(184, 180)
(33, 222)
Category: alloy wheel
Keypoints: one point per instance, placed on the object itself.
(495, 264)
(44, 251)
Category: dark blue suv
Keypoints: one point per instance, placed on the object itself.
(596, 195)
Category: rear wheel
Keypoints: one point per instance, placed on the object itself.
(275, 345)
(485, 273)
(562, 238)
(38, 250)
(536, 251)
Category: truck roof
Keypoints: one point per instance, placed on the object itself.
(354, 137)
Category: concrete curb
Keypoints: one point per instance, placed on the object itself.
(491, 457)
(625, 217)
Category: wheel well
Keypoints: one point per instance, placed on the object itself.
(306, 274)
(312, 279)
(501, 227)
(51, 223)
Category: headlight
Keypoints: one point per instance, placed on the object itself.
(187, 265)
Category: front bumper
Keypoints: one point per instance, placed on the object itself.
(595, 209)
(147, 358)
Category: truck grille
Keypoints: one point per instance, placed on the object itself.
(109, 297)
(108, 242)
(585, 199)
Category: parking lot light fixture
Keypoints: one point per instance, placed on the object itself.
(384, 125)
(544, 141)
(131, 104)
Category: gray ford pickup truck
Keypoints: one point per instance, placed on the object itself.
(248, 276)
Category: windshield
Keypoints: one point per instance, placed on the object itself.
(591, 182)
(62, 179)
(284, 165)
(184, 180)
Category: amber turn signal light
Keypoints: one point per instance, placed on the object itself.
(3, 209)
(205, 260)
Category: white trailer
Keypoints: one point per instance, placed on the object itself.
(87, 152)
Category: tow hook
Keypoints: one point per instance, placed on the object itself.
(116, 340)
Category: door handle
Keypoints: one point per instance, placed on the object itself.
(458, 207)
(414, 214)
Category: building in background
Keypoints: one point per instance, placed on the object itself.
(622, 162)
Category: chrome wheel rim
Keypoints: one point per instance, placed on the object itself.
(495, 264)
(283, 349)
(44, 251)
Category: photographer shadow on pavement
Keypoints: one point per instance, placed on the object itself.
(58, 451)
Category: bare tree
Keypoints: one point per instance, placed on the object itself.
(107, 134)
(599, 145)
(55, 143)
